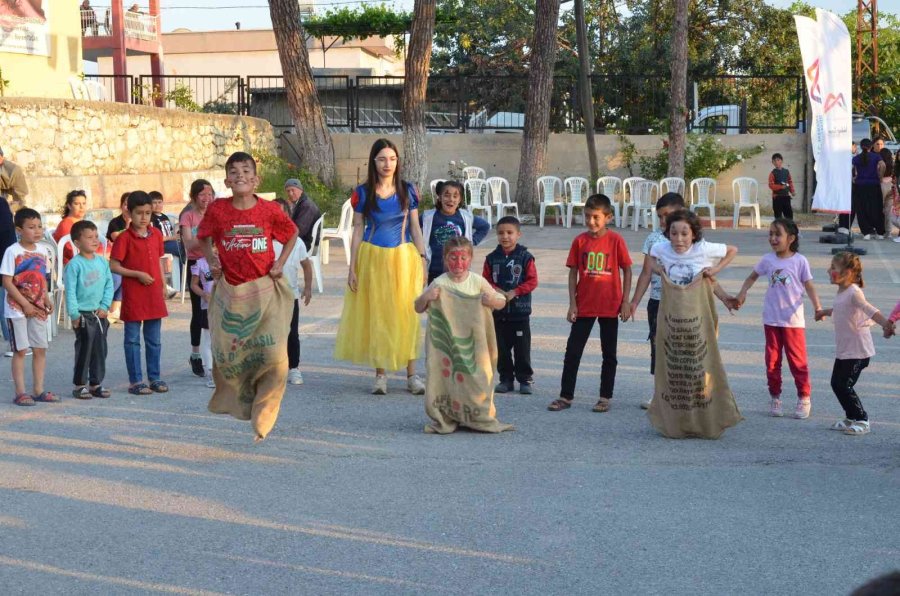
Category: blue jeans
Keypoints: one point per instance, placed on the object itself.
(152, 330)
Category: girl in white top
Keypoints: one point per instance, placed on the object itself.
(458, 252)
(853, 317)
(297, 260)
(687, 255)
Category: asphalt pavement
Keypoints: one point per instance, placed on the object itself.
(138, 495)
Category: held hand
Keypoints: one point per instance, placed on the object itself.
(731, 303)
(145, 278)
(572, 314)
(486, 299)
(822, 314)
(352, 282)
(740, 299)
(888, 328)
(634, 310)
(307, 295)
(510, 295)
(276, 271)
(101, 313)
(625, 311)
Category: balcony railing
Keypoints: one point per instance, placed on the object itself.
(137, 24)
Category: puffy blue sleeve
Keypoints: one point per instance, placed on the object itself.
(413, 195)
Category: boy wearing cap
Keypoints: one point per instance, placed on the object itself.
(304, 212)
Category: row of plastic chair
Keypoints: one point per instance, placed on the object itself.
(638, 197)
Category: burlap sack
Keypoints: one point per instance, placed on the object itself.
(462, 352)
(249, 326)
(692, 397)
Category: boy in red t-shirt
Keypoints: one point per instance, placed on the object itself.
(596, 292)
(242, 228)
(136, 256)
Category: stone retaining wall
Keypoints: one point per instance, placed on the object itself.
(109, 148)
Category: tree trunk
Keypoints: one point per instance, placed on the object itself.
(415, 86)
(315, 146)
(537, 107)
(677, 127)
(584, 85)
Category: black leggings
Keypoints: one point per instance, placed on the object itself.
(293, 343)
(844, 376)
(196, 312)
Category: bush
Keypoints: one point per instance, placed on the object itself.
(273, 171)
(705, 157)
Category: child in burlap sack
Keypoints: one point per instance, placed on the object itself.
(461, 347)
(250, 311)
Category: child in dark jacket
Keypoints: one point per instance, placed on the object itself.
(511, 270)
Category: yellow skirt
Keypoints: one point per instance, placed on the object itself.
(379, 327)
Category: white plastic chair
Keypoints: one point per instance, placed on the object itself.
(62, 314)
(498, 193)
(549, 190)
(745, 194)
(315, 254)
(611, 186)
(671, 184)
(433, 184)
(576, 189)
(342, 232)
(703, 196)
(627, 191)
(53, 288)
(476, 191)
(641, 204)
(79, 89)
(471, 172)
(95, 90)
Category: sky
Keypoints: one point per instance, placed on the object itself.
(206, 15)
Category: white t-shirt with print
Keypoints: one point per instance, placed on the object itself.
(28, 268)
(684, 267)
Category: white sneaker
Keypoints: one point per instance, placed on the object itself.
(295, 377)
(775, 408)
(859, 427)
(801, 412)
(415, 385)
(867, 236)
(896, 238)
(210, 382)
(879, 237)
(380, 385)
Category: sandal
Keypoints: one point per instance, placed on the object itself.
(101, 391)
(842, 425)
(46, 397)
(139, 389)
(859, 427)
(602, 405)
(159, 386)
(560, 404)
(81, 393)
(23, 399)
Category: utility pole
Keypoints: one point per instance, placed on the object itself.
(865, 94)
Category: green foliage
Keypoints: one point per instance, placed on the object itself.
(705, 157)
(273, 171)
(183, 98)
(629, 153)
(360, 23)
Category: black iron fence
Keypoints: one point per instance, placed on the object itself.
(631, 104)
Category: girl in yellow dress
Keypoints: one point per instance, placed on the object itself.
(379, 327)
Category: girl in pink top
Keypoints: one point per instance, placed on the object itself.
(853, 340)
(788, 275)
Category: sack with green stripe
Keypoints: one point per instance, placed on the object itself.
(249, 326)
(462, 353)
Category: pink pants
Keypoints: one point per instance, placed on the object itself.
(793, 341)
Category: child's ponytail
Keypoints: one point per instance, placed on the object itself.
(847, 261)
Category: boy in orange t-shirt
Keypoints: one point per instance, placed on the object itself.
(596, 293)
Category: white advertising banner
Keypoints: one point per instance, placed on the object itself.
(825, 47)
(24, 28)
